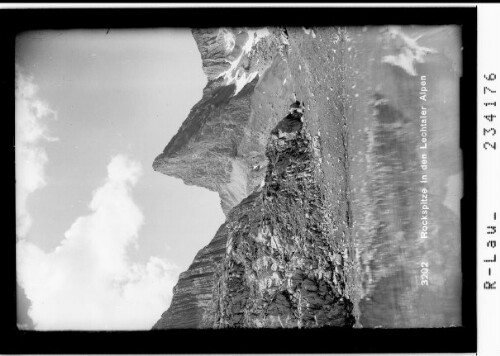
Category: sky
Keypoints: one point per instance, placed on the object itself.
(101, 237)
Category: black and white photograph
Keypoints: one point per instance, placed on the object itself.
(305, 177)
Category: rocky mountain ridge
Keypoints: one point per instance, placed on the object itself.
(221, 143)
(322, 213)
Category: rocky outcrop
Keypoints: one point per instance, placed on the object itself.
(282, 268)
(193, 292)
(274, 262)
(323, 208)
(214, 148)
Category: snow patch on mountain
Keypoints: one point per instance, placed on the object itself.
(243, 79)
(237, 75)
(309, 31)
(229, 39)
(410, 52)
(254, 36)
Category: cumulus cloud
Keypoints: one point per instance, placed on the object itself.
(88, 281)
(31, 158)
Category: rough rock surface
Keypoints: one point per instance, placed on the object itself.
(279, 265)
(282, 268)
(223, 139)
(193, 292)
(323, 214)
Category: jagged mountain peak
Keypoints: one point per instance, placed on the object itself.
(316, 161)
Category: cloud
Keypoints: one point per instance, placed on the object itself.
(88, 281)
(31, 158)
